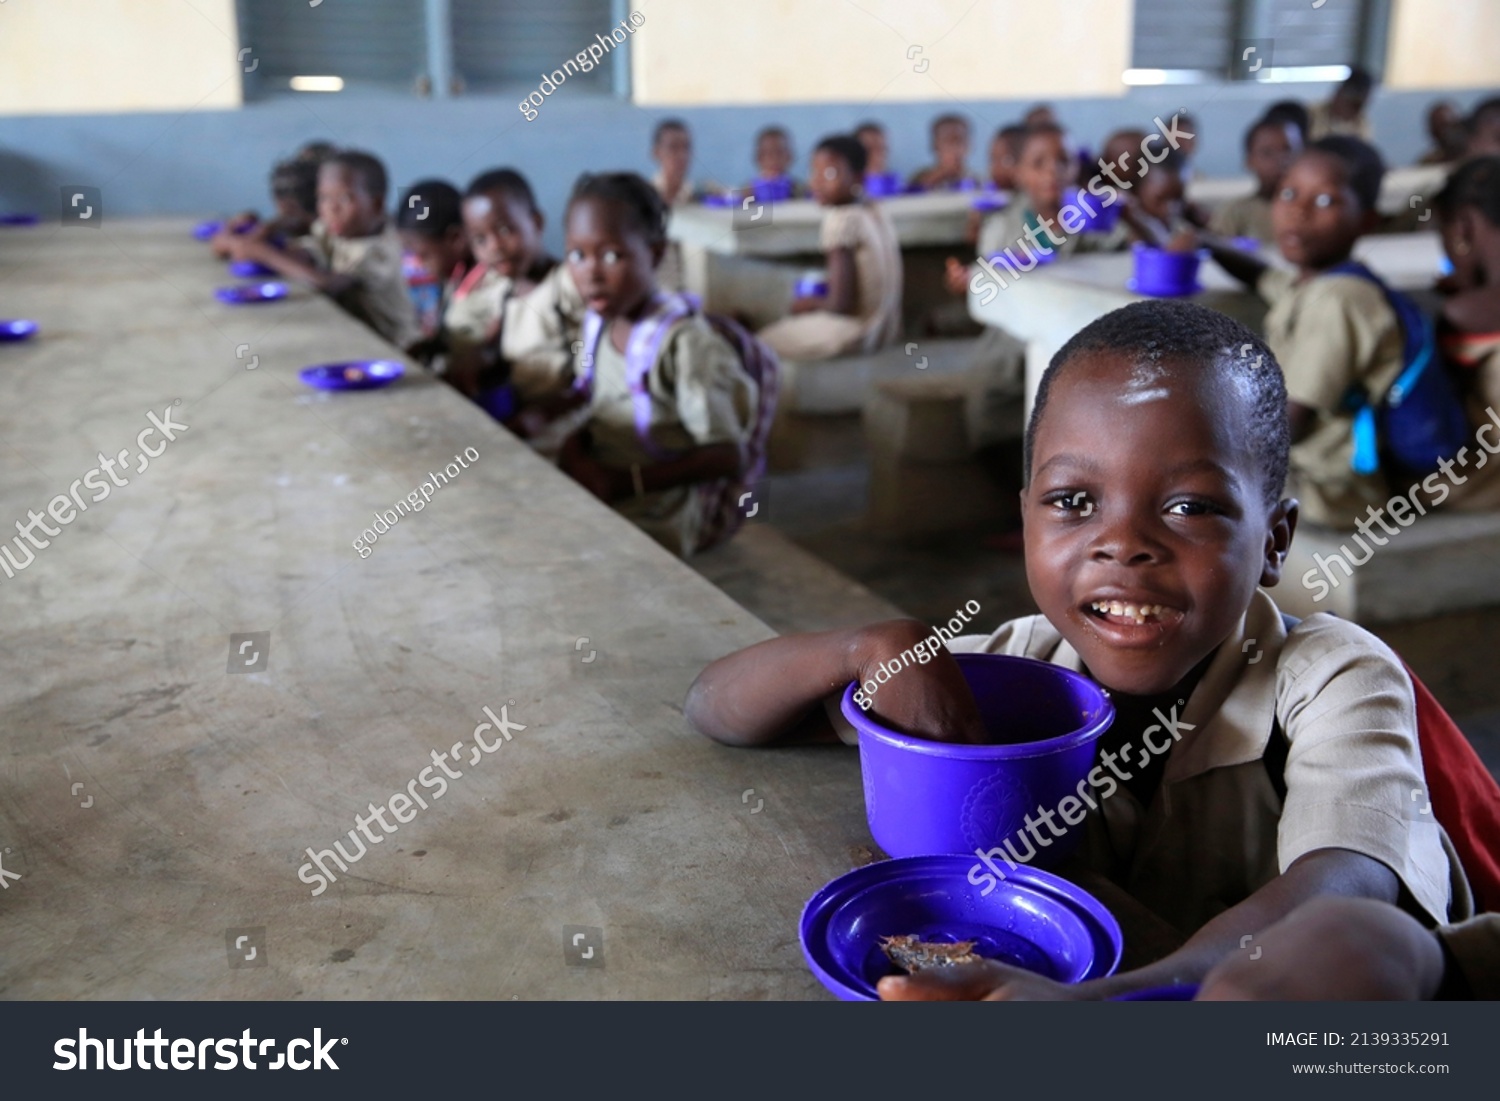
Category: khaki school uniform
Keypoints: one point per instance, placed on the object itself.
(1330, 333)
(1475, 945)
(700, 395)
(539, 332)
(1216, 831)
(1322, 124)
(379, 298)
(866, 230)
(669, 273)
(1249, 216)
(475, 308)
(1477, 356)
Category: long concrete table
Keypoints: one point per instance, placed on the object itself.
(1048, 304)
(1402, 189)
(164, 781)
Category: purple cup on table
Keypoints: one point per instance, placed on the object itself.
(882, 185)
(1097, 215)
(249, 269)
(778, 190)
(812, 284)
(924, 797)
(990, 200)
(1164, 274)
(1035, 920)
(726, 200)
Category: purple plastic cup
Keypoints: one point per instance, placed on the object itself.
(812, 285)
(925, 797)
(778, 190)
(882, 185)
(1035, 920)
(989, 200)
(1164, 274)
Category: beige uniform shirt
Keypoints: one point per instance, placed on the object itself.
(700, 395)
(380, 298)
(539, 332)
(1330, 333)
(1249, 216)
(1475, 945)
(1478, 355)
(1005, 231)
(1216, 832)
(866, 230)
(1322, 124)
(473, 309)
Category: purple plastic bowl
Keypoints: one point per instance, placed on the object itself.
(926, 797)
(1034, 920)
(372, 374)
(17, 330)
(719, 200)
(1164, 274)
(989, 200)
(1185, 993)
(1104, 216)
(245, 294)
(778, 190)
(204, 230)
(812, 286)
(249, 269)
(882, 185)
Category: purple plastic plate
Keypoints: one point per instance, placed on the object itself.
(357, 374)
(249, 269)
(1185, 993)
(19, 219)
(249, 293)
(17, 330)
(204, 230)
(1032, 919)
(720, 200)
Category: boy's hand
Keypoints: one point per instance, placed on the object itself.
(806, 304)
(975, 982)
(924, 699)
(575, 461)
(1184, 240)
(956, 276)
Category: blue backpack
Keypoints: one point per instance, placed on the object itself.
(1420, 419)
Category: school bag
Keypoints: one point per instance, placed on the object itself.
(720, 498)
(1421, 418)
(1463, 795)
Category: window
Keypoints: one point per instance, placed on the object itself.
(370, 44)
(513, 44)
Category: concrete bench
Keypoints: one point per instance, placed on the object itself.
(789, 589)
(923, 478)
(1444, 562)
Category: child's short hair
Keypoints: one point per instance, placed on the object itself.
(950, 119)
(298, 181)
(1172, 160)
(1266, 122)
(1486, 113)
(664, 127)
(316, 152)
(1292, 111)
(1161, 329)
(1361, 163)
(1013, 137)
(367, 170)
(1474, 183)
(1037, 130)
(848, 148)
(503, 181)
(429, 208)
(1359, 81)
(637, 200)
(869, 126)
(772, 131)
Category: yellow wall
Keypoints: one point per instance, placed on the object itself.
(1443, 44)
(693, 52)
(85, 56)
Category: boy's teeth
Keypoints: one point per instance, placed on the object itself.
(1138, 612)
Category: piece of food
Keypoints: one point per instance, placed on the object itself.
(354, 374)
(912, 954)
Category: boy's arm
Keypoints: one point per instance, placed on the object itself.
(1241, 265)
(774, 691)
(294, 265)
(1324, 872)
(843, 295)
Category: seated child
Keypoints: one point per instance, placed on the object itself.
(672, 150)
(1483, 128)
(879, 179)
(1468, 210)
(1158, 212)
(1270, 147)
(1343, 115)
(773, 165)
(352, 252)
(1333, 332)
(950, 152)
(294, 190)
(862, 309)
(1446, 128)
(1154, 523)
(670, 405)
(1005, 154)
(429, 218)
(504, 229)
(1294, 112)
(1357, 949)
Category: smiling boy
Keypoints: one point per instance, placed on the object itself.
(1154, 462)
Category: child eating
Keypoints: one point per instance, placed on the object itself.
(670, 406)
(352, 253)
(294, 190)
(950, 151)
(861, 310)
(773, 164)
(429, 219)
(1154, 520)
(1270, 147)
